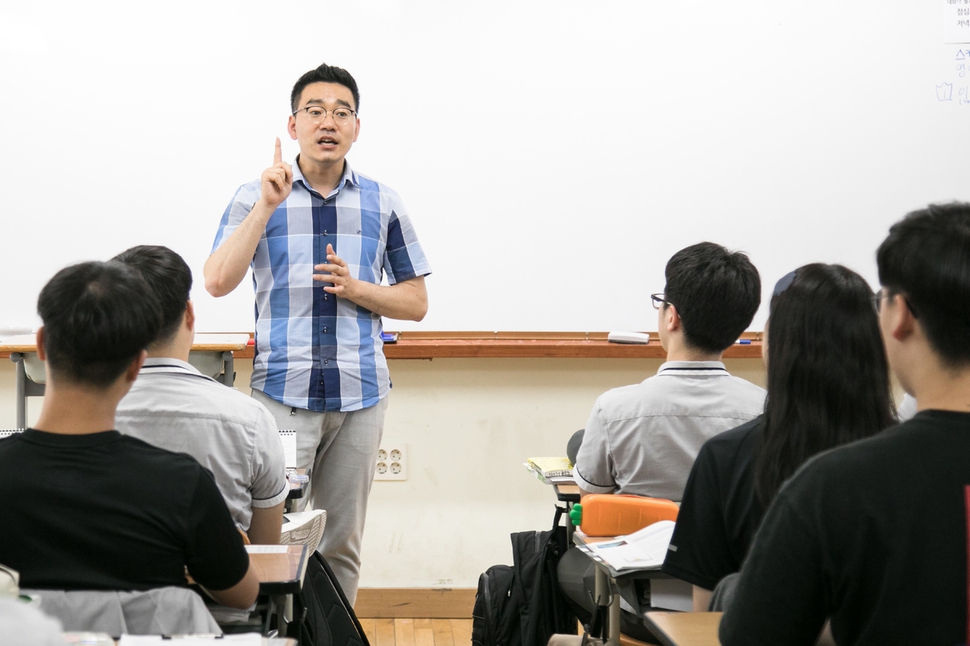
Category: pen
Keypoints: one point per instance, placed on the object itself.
(744, 341)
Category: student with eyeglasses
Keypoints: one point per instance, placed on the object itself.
(320, 238)
(828, 384)
(642, 439)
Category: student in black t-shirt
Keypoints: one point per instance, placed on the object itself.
(86, 508)
(828, 384)
(873, 536)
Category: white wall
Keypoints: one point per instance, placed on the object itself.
(469, 424)
(556, 151)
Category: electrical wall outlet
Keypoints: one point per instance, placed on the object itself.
(392, 462)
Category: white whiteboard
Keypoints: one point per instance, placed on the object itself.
(552, 155)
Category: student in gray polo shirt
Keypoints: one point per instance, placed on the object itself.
(174, 406)
(642, 439)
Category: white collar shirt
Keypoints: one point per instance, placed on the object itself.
(642, 439)
(173, 406)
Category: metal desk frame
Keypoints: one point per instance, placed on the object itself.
(28, 388)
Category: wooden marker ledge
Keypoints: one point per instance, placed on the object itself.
(525, 345)
(562, 345)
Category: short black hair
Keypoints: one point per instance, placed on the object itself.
(169, 278)
(98, 316)
(325, 74)
(926, 257)
(716, 293)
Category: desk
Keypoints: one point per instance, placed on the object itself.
(280, 570)
(685, 628)
(607, 593)
(567, 493)
(212, 354)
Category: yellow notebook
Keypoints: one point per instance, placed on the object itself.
(551, 467)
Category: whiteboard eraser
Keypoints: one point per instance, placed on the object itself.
(628, 337)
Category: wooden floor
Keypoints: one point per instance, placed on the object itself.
(418, 632)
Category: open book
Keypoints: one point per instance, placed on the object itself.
(640, 550)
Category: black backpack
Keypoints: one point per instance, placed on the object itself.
(327, 618)
(521, 605)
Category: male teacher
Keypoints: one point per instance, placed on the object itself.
(320, 237)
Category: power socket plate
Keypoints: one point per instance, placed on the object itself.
(392, 461)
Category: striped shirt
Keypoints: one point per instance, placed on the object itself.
(314, 350)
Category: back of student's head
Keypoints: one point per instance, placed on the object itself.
(716, 293)
(926, 258)
(828, 379)
(170, 280)
(98, 316)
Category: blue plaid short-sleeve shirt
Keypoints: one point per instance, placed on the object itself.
(314, 350)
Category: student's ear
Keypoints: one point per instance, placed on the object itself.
(189, 319)
(132, 372)
(902, 323)
(41, 351)
(672, 318)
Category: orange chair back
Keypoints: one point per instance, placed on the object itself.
(613, 515)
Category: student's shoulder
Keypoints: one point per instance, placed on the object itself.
(238, 413)
(733, 449)
(928, 436)
(148, 458)
(253, 412)
(743, 384)
(921, 431)
(750, 432)
(840, 475)
(654, 391)
(228, 402)
(630, 395)
(745, 387)
(195, 394)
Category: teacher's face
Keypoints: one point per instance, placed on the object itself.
(327, 141)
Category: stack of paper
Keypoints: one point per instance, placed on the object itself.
(244, 639)
(640, 550)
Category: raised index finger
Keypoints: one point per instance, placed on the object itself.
(278, 155)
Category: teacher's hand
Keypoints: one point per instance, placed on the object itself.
(343, 284)
(276, 181)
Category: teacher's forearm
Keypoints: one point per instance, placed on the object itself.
(406, 301)
(227, 265)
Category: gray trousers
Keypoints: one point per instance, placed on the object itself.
(341, 449)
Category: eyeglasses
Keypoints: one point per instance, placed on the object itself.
(877, 299)
(885, 293)
(316, 114)
(658, 300)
